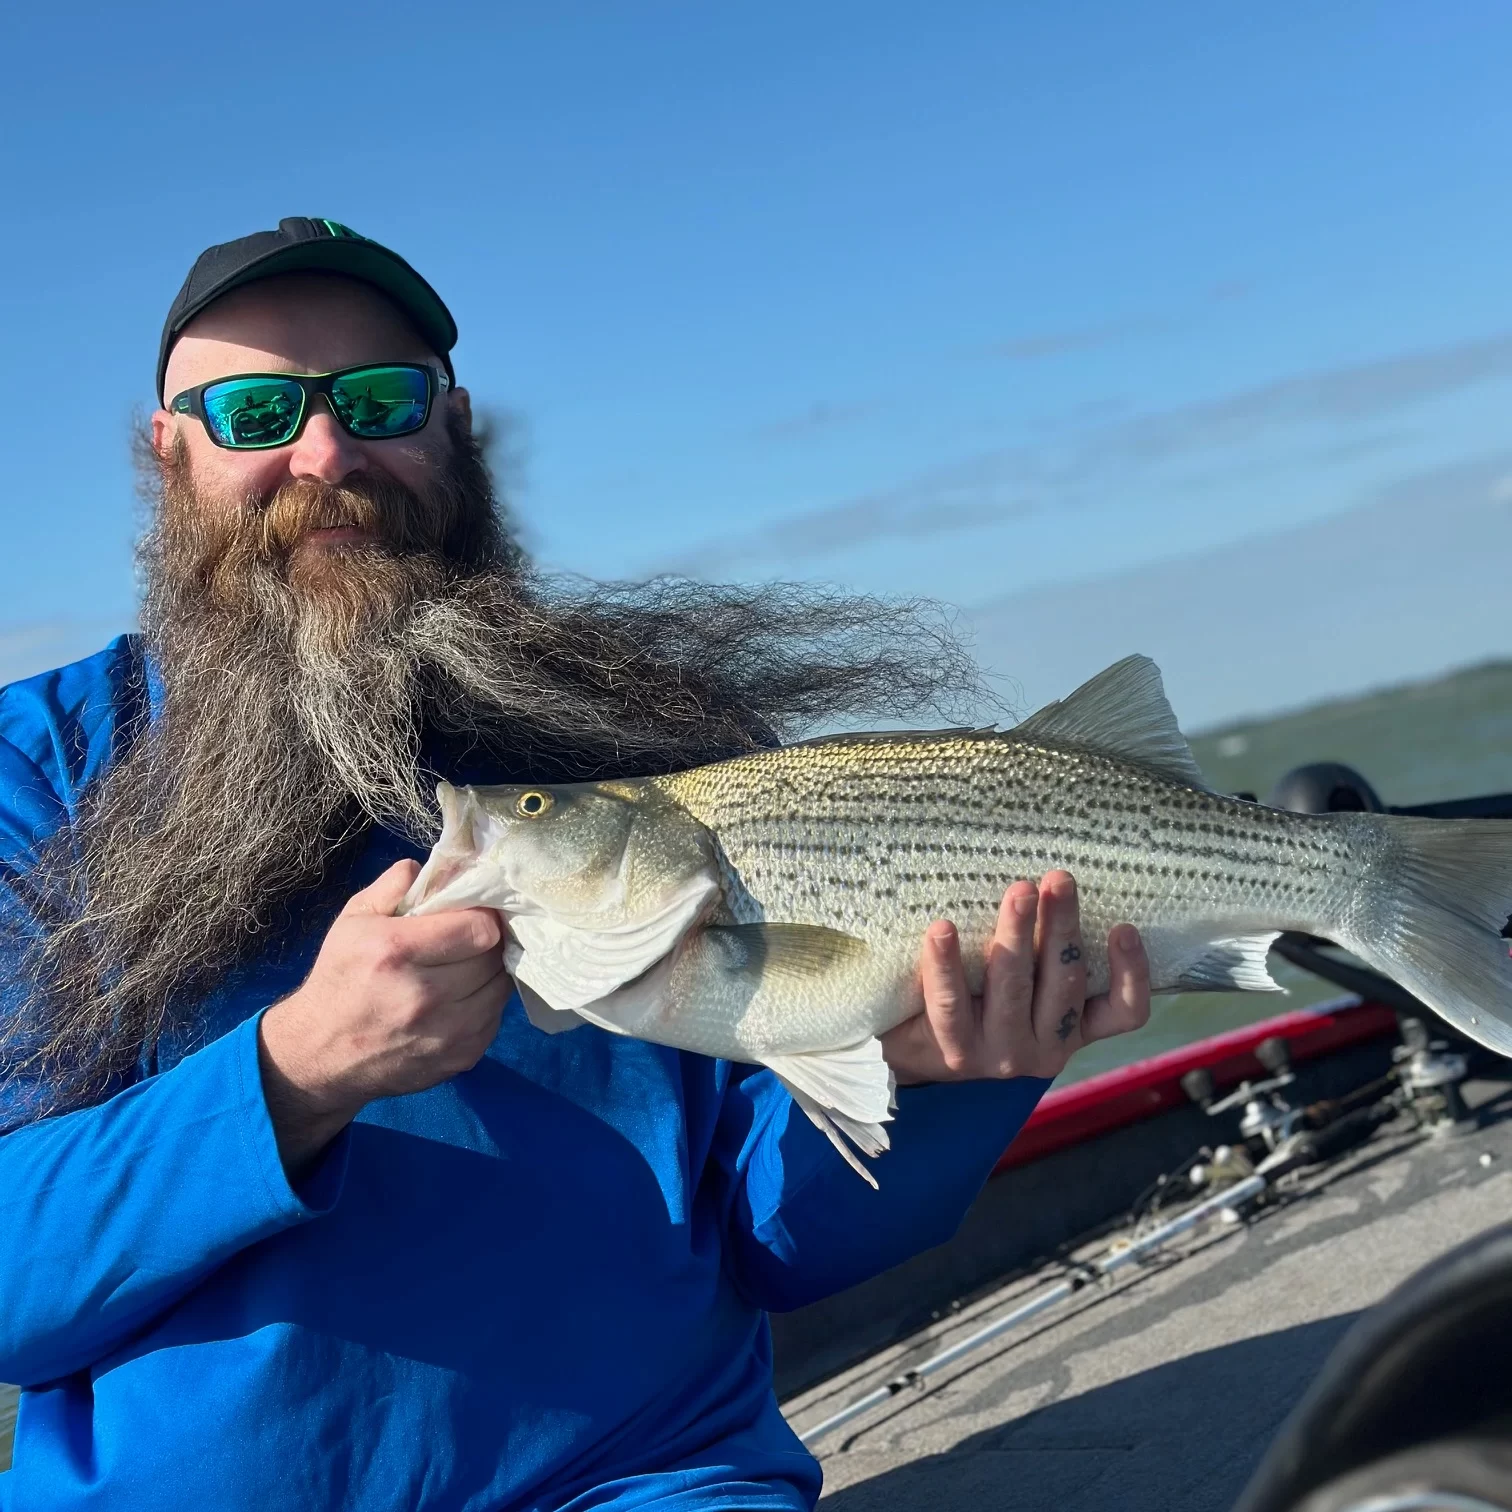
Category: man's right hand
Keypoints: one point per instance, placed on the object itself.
(390, 1006)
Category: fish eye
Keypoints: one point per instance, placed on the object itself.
(533, 804)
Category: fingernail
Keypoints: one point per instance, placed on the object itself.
(942, 931)
(1025, 904)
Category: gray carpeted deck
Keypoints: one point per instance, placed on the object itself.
(1159, 1392)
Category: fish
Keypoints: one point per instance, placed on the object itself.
(770, 908)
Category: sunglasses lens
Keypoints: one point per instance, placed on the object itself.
(252, 411)
(382, 401)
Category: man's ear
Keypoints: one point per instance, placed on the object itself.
(162, 433)
(461, 406)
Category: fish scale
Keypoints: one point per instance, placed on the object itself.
(770, 908)
(831, 835)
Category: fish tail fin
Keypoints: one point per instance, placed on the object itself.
(844, 1092)
(1440, 928)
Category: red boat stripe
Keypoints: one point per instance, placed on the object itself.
(1069, 1115)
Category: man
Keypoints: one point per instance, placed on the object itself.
(299, 1210)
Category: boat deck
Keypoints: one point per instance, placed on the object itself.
(1158, 1390)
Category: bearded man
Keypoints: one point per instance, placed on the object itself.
(299, 1209)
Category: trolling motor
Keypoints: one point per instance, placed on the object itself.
(1325, 787)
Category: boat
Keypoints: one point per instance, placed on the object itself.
(1138, 1313)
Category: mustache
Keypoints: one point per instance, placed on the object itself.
(393, 515)
(210, 547)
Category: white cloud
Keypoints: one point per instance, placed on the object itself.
(1348, 404)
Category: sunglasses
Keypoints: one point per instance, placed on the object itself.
(250, 411)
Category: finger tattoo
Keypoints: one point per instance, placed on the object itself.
(1067, 1026)
(1069, 954)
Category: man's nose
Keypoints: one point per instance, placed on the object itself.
(323, 451)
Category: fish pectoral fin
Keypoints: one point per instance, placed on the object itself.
(1121, 712)
(1234, 965)
(547, 1019)
(770, 950)
(844, 1092)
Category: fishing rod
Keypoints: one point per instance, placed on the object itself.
(1424, 1082)
(1109, 1264)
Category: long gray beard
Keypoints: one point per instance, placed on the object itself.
(299, 694)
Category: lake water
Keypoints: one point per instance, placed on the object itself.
(1451, 738)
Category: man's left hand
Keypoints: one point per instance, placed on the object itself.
(1034, 1013)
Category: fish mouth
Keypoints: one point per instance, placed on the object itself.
(467, 831)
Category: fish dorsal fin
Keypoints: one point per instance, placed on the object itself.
(1121, 712)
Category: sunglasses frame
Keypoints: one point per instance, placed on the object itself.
(192, 400)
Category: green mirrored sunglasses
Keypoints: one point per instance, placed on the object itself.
(250, 411)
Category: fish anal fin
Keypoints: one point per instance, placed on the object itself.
(845, 1092)
(1233, 965)
(1122, 712)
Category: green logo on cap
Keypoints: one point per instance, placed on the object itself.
(344, 233)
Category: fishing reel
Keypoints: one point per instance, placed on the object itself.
(1430, 1074)
(1278, 1137)
(1268, 1117)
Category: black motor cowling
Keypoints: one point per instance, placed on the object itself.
(1413, 1407)
(1325, 787)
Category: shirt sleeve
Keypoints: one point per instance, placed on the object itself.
(110, 1214)
(801, 1225)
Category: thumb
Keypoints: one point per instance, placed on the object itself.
(383, 895)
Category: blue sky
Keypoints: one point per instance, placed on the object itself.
(1007, 304)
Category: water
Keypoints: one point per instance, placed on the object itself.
(1419, 743)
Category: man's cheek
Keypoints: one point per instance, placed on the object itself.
(229, 478)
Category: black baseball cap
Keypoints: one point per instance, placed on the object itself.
(305, 243)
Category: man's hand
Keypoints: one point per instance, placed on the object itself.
(1033, 1015)
(390, 1006)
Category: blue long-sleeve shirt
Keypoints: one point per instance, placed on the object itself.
(542, 1284)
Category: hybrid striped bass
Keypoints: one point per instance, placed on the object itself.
(770, 908)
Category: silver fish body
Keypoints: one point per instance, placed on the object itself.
(770, 908)
(876, 839)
